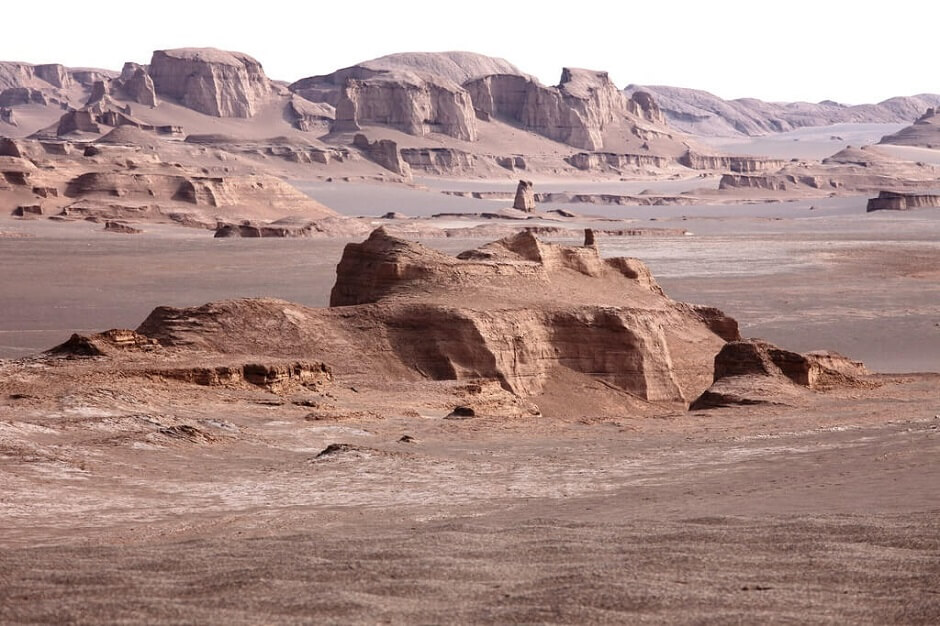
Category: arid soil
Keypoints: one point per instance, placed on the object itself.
(773, 514)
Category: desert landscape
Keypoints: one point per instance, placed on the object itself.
(424, 340)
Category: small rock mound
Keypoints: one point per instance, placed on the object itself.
(754, 371)
(130, 136)
(105, 343)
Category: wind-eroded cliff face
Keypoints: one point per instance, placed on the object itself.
(537, 319)
(409, 102)
(576, 112)
(419, 94)
(214, 82)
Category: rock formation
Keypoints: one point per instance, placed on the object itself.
(893, 201)
(525, 196)
(925, 132)
(37, 76)
(618, 162)
(7, 117)
(758, 372)
(447, 161)
(136, 85)
(77, 121)
(728, 163)
(18, 96)
(384, 152)
(409, 102)
(214, 82)
(310, 116)
(529, 310)
(457, 67)
(576, 112)
(702, 113)
(851, 170)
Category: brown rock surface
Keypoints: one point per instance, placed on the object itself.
(757, 372)
(535, 306)
(214, 82)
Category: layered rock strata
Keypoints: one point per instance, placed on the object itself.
(214, 82)
(893, 201)
(757, 372)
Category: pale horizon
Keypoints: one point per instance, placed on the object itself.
(810, 52)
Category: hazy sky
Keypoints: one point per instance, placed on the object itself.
(852, 52)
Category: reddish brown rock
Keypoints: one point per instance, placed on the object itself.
(757, 372)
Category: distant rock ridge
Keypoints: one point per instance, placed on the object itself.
(214, 82)
(452, 93)
(414, 103)
(576, 112)
(13, 74)
(457, 67)
(923, 133)
(702, 113)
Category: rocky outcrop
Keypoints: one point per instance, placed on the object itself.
(155, 195)
(36, 76)
(290, 228)
(576, 112)
(19, 96)
(525, 196)
(54, 74)
(384, 152)
(757, 372)
(7, 116)
(310, 116)
(924, 133)
(136, 85)
(104, 344)
(77, 122)
(412, 102)
(647, 107)
(893, 201)
(543, 317)
(214, 82)
(113, 226)
(851, 170)
(606, 161)
(728, 163)
(409, 103)
(440, 161)
(721, 324)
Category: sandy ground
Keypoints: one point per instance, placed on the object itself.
(777, 515)
(825, 513)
